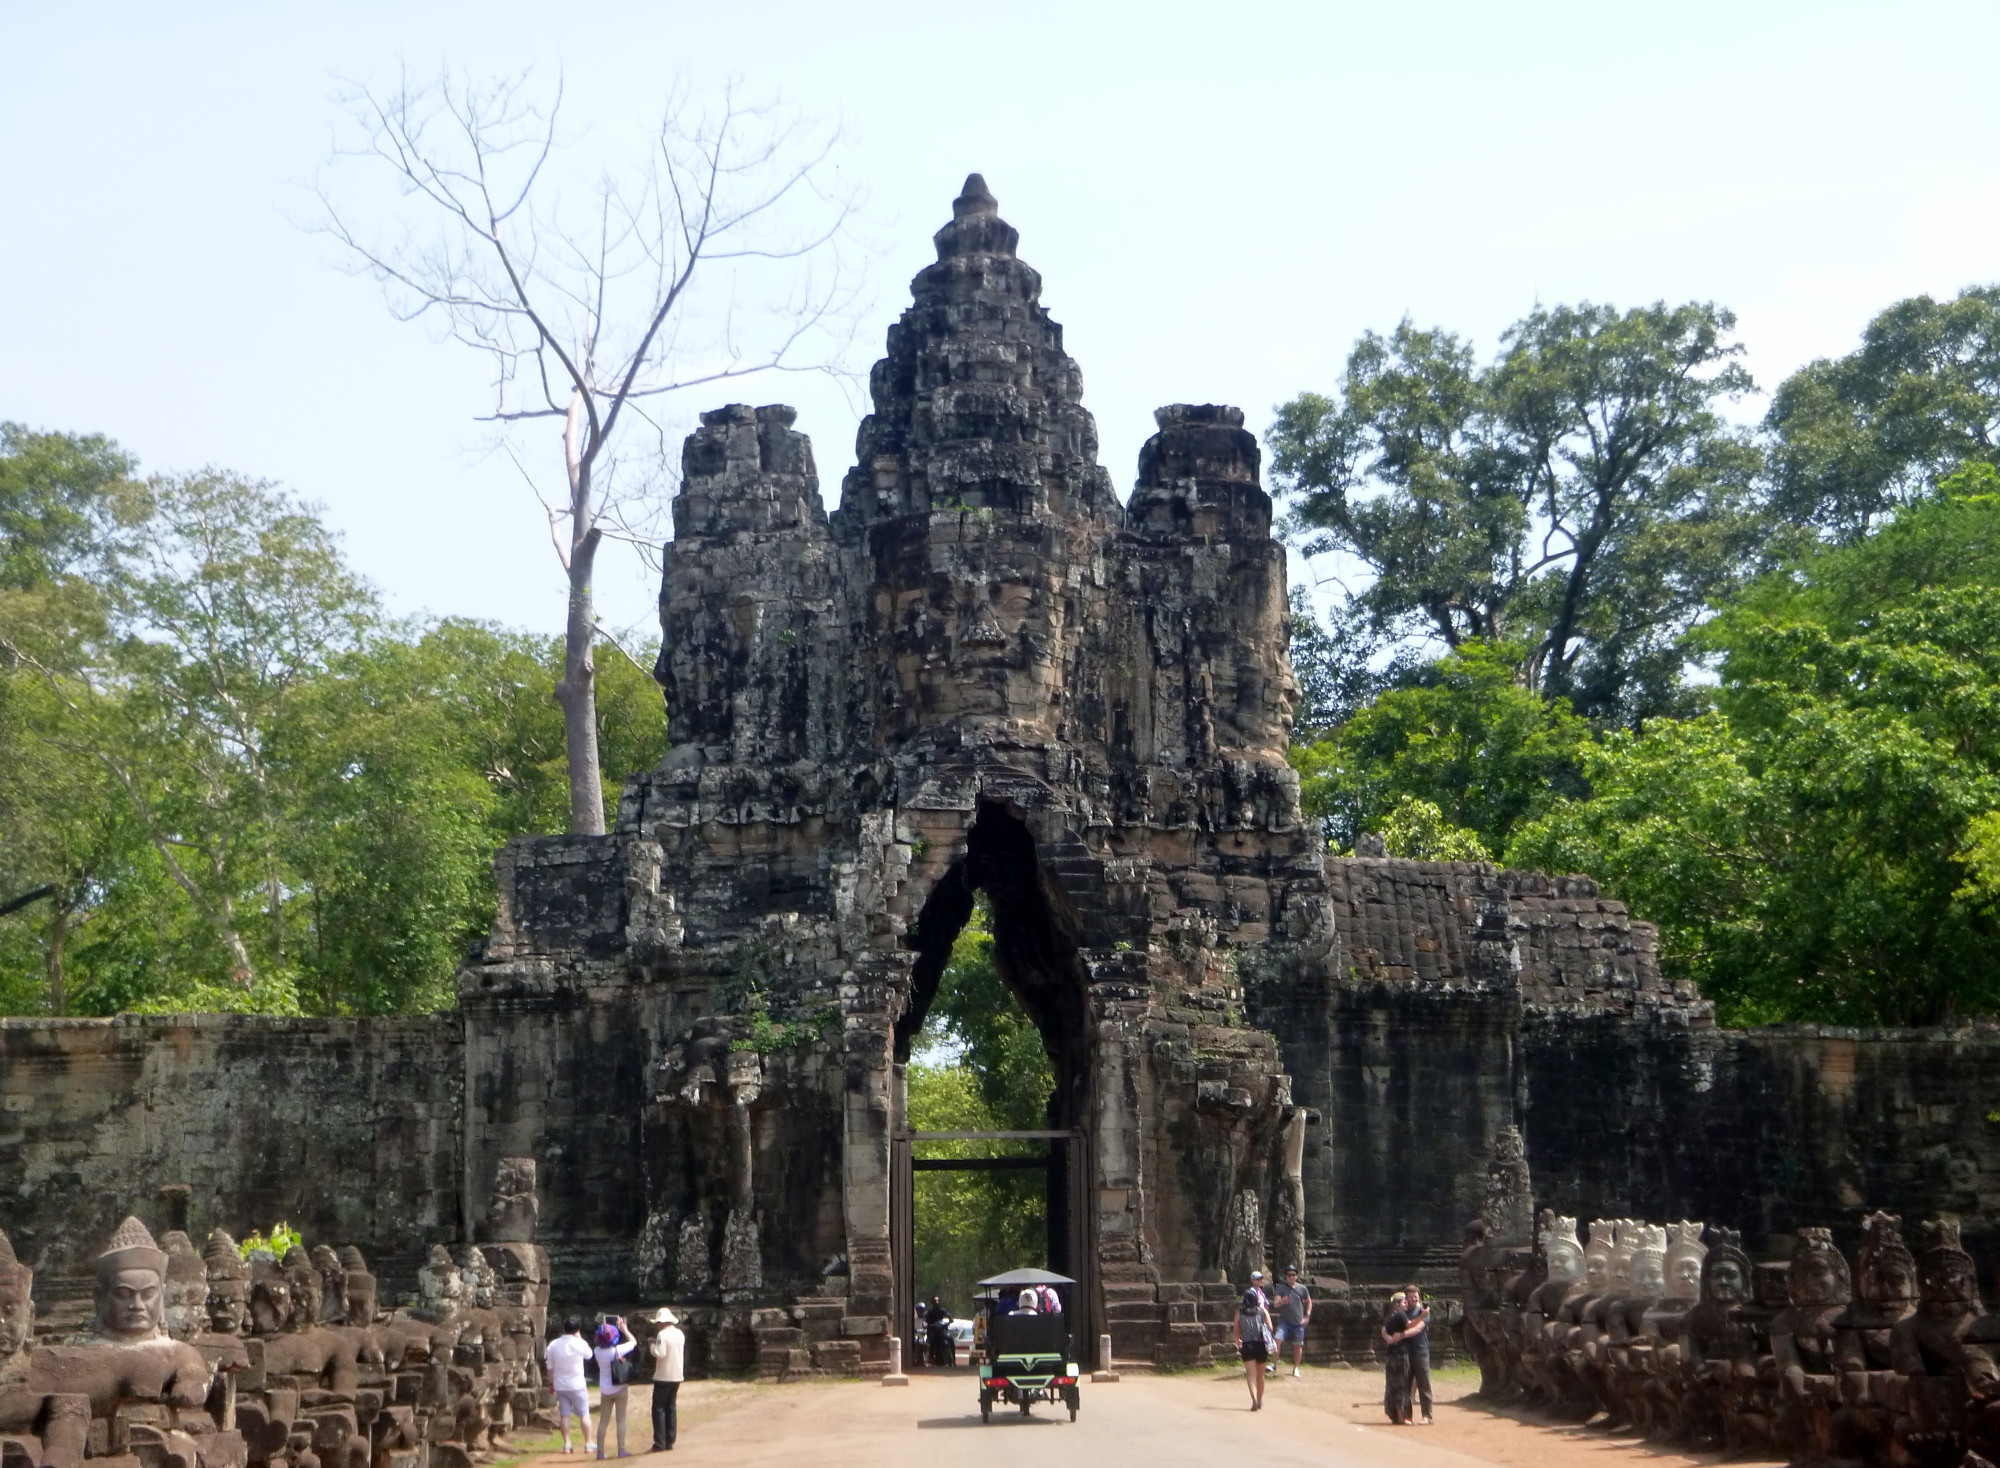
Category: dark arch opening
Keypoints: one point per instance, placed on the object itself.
(1036, 929)
(1035, 936)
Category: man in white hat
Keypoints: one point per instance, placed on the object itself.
(669, 1370)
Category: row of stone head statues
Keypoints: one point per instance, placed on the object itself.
(226, 1358)
(1673, 1332)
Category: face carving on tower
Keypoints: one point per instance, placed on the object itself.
(131, 1287)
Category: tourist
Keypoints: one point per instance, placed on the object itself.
(1295, 1307)
(1252, 1329)
(565, 1357)
(614, 1344)
(938, 1344)
(1395, 1364)
(669, 1370)
(1408, 1331)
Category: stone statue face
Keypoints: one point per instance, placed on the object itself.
(226, 1306)
(1726, 1282)
(1596, 1270)
(1684, 1277)
(1888, 1276)
(17, 1310)
(1565, 1261)
(135, 1305)
(1649, 1275)
(271, 1304)
(1818, 1279)
(1946, 1279)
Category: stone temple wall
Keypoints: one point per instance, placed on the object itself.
(349, 1129)
(983, 677)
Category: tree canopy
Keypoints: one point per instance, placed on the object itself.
(229, 781)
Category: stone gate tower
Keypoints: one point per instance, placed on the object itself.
(981, 674)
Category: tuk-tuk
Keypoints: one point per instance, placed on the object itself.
(1027, 1351)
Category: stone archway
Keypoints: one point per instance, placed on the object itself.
(1037, 933)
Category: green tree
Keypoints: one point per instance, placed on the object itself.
(1817, 849)
(1855, 437)
(1463, 736)
(1582, 497)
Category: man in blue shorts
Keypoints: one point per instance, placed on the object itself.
(1291, 1303)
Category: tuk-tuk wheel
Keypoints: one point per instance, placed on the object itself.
(1026, 1403)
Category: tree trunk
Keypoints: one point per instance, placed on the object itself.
(577, 693)
(58, 939)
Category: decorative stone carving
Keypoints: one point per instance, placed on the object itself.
(1685, 1252)
(515, 1208)
(228, 1285)
(1509, 1206)
(131, 1288)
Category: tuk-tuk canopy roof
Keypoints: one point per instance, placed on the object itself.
(1024, 1277)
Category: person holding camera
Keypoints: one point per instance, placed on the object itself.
(614, 1344)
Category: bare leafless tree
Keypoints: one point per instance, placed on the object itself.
(594, 297)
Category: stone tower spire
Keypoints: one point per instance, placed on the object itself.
(975, 496)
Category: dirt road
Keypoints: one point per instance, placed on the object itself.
(1331, 1419)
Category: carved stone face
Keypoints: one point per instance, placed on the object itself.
(1596, 1270)
(17, 1309)
(227, 1306)
(1818, 1278)
(1727, 1282)
(1649, 1275)
(270, 1304)
(134, 1305)
(1565, 1262)
(1683, 1280)
(1946, 1278)
(1888, 1277)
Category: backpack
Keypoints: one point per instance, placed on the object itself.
(621, 1370)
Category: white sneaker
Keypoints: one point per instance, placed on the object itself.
(1295, 1373)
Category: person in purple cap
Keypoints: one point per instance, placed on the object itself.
(613, 1344)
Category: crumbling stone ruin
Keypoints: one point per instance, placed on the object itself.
(980, 677)
(1680, 1337)
(204, 1360)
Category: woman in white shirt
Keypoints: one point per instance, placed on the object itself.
(614, 1344)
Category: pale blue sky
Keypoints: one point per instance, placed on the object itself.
(1219, 198)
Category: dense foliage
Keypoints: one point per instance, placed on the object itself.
(228, 780)
(1778, 735)
(981, 1067)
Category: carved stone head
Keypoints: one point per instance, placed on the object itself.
(513, 1210)
(1624, 1244)
(228, 1284)
(132, 1287)
(1562, 1251)
(1725, 1272)
(332, 1285)
(17, 1301)
(270, 1296)
(1818, 1273)
(1648, 1272)
(361, 1302)
(477, 1277)
(1597, 1254)
(1685, 1251)
(1947, 1283)
(187, 1287)
(440, 1284)
(1887, 1270)
(307, 1287)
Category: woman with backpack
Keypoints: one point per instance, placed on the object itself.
(1252, 1327)
(614, 1343)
